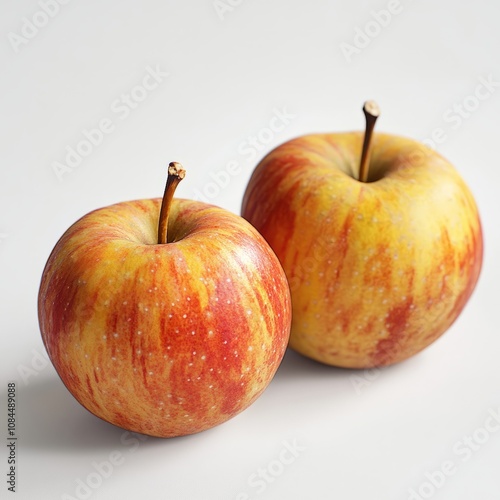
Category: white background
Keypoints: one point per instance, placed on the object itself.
(227, 78)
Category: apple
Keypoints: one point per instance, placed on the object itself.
(165, 333)
(381, 253)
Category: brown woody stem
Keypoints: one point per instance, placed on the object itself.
(175, 174)
(372, 112)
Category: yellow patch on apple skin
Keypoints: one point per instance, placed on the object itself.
(162, 342)
(365, 291)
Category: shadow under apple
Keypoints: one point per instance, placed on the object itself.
(50, 419)
(295, 365)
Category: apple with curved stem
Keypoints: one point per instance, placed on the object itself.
(382, 253)
(162, 332)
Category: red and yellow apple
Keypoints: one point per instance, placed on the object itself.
(164, 339)
(378, 270)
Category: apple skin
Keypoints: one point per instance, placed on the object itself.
(377, 270)
(170, 339)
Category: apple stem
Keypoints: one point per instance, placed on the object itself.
(175, 174)
(372, 112)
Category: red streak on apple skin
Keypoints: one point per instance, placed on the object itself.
(396, 324)
(471, 265)
(89, 387)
